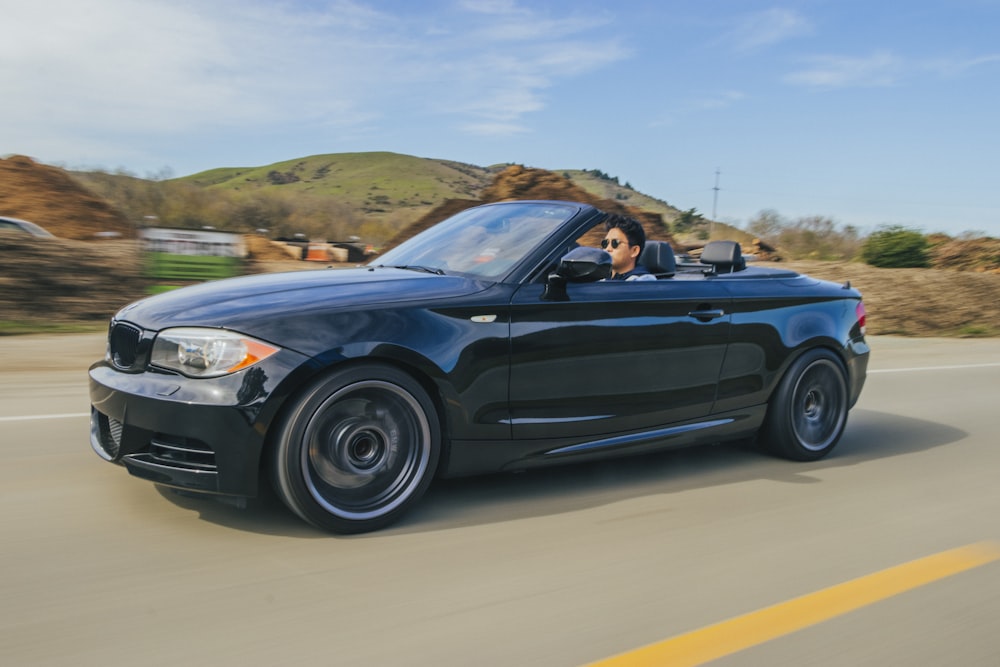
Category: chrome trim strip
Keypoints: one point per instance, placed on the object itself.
(553, 420)
(143, 460)
(634, 438)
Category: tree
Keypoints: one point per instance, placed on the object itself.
(896, 247)
(767, 225)
(687, 221)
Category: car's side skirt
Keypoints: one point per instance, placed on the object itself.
(471, 457)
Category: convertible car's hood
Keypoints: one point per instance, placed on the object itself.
(243, 303)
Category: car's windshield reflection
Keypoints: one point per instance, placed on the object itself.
(480, 242)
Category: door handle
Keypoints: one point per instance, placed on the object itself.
(706, 315)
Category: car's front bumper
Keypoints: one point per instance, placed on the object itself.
(203, 435)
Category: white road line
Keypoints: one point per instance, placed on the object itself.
(932, 368)
(71, 415)
(24, 418)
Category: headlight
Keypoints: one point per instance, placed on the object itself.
(204, 353)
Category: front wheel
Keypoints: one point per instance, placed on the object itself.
(807, 414)
(356, 449)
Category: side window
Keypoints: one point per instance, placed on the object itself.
(655, 260)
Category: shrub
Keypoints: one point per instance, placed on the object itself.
(687, 221)
(814, 237)
(896, 247)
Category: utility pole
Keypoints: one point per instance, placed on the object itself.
(715, 197)
(715, 203)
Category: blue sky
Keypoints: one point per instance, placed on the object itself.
(869, 113)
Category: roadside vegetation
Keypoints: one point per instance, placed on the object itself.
(914, 283)
(888, 247)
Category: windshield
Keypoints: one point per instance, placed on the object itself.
(484, 242)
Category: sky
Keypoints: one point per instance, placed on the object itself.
(869, 113)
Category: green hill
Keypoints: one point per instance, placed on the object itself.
(373, 195)
(370, 183)
(383, 182)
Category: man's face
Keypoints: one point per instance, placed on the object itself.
(623, 257)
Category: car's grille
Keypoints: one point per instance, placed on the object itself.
(181, 452)
(123, 345)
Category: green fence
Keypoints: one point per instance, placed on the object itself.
(179, 270)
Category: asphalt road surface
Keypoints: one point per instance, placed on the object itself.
(885, 553)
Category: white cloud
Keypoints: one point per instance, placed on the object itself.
(766, 28)
(877, 70)
(882, 69)
(496, 71)
(497, 129)
(959, 66)
(720, 100)
(163, 67)
(171, 66)
(502, 7)
(711, 102)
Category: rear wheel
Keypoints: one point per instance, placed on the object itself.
(808, 412)
(357, 449)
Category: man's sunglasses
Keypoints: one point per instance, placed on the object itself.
(613, 242)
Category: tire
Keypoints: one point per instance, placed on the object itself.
(807, 414)
(357, 449)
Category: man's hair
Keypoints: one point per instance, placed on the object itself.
(631, 228)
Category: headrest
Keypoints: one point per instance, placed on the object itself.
(658, 258)
(724, 256)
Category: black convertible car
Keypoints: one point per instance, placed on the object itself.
(489, 342)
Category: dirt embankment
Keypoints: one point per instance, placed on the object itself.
(48, 197)
(61, 280)
(918, 302)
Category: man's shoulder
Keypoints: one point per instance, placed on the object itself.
(640, 272)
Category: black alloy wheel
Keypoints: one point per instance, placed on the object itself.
(357, 449)
(807, 414)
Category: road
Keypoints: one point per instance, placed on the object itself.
(563, 567)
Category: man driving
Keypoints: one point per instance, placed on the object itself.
(624, 240)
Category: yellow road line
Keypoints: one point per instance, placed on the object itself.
(722, 639)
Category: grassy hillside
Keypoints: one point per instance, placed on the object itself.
(371, 183)
(379, 183)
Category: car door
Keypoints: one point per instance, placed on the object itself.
(616, 357)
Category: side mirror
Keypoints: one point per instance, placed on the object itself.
(579, 265)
